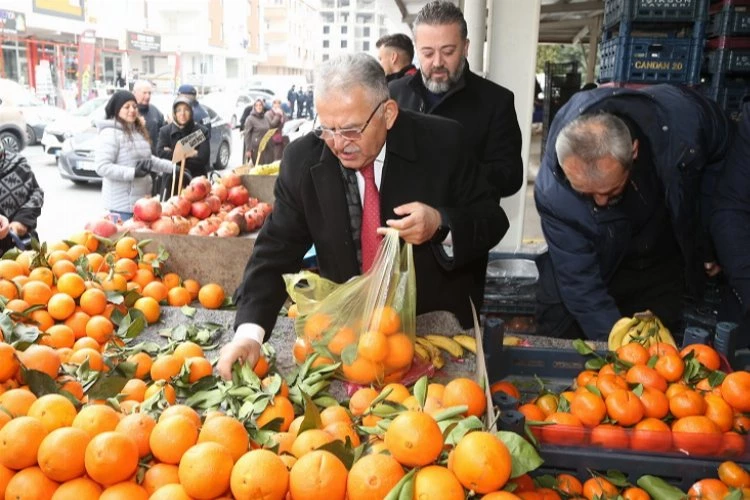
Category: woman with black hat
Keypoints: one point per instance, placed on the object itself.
(123, 156)
(182, 126)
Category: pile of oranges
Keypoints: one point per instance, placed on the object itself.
(381, 354)
(649, 400)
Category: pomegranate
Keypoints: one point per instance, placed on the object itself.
(134, 225)
(200, 209)
(227, 207)
(103, 227)
(164, 225)
(252, 202)
(238, 217)
(182, 205)
(228, 229)
(201, 229)
(265, 208)
(193, 193)
(202, 184)
(221, 191)
(238, 195)
(213, 202)
(168, 209)
(181, 225)
(147, 209)
(231, 180)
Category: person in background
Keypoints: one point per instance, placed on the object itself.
(396, 53)
(123, 157)
(310, 103)
(291, 98)
(367, 165)
(300, 102)
(183, 125)
(154, 119)
(624, 193)
(21, 201)
(120, 81)
(445, 86)
(730, 228)
(257, 125)
(278, 140)
(200, 114)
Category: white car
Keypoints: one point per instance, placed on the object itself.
(67, 126)
(35, 112)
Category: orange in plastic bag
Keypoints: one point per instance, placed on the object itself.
(367, 323)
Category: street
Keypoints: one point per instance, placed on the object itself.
(67, 206)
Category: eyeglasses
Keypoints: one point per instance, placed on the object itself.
(350, 134)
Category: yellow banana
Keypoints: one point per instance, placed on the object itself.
(511, 340)
(421, 352)
(664, 334)
(447, 344)
(618, 332)
(467, 342)
(435, 357)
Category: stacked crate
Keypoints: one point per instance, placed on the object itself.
(561, 81)
(726, 62)
(652, 41)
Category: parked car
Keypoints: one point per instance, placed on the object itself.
(12, 127)
(36, 113)
(76, 159)
(77, 121)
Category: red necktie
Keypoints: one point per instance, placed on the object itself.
(369, 238)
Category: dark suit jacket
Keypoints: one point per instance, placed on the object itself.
(486, 111)
(426, 160)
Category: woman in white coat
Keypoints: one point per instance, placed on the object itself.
(123, 156)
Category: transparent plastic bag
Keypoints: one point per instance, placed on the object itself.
(367, 323)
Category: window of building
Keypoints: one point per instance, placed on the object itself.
(366, 31)
(326, 44)
(343, 44)
(344, 30)
(327, 17)
(365, 46)
(344, 3)
(325, 57)
(326, 29)
(147, 65)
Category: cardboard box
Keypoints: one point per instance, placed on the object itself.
(260, 186)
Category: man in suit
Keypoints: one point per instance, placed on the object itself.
(395, 53)
(142, 91)
(428, 187)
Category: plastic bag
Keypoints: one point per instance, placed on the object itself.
(367, 323)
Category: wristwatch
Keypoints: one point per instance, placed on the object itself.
(442, 230)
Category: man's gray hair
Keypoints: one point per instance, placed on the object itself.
(139, 84)
(592, 137)
(439, 13)
(349, 71)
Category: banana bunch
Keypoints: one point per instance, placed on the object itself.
(644, 328)
(428, 347)
(266, 169)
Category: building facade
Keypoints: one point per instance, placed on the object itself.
(350, 26)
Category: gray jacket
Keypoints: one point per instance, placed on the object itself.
(115, 158)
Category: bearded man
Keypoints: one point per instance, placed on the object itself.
(445, 86)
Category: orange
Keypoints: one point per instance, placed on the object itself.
(642, 374)
(706, 355)
(301, 350)
(126, 247)
(624, 407)
(361, 400)
(8, 362)
(687, 403)
(166, 367)
(568, 484)
(170, 492)
(36, 293)
(114, 283)
(93, 301)
(464, 391)
(205, 470)
(17, 401)
(171, 280)
(414, 439)
(61, 453)
(662, 349)
(210, 296)
(670, 366)
(61, 306)
(228, 432)
(183, 410)
(188, 350)
(532, 412)
(655, 403)
(400, 352)
(9, 269)
(72, 386)
(8, 289)
(734, 475)
(126, 490)
(80, 488)
(84, 354)
(178, 296)
(42, 358)
(96, 419)
(279, 408)
(199, 367)
(341, 431)
(633, 353)
(97, 263)
(598, 487)
(589, 408)
(568, 429)
(43, 274)
(163, 388)
(77, 251)
(608, 383)
(85, 238)
(156, 290)
(732, 445)
(437, 482)
(61, 267)
(262, 366)
(310, 440)
(19, 442)
(481, 462)
(138, 426)
(344, 336)
(71, 284)
(318, 475)
(735, 389)
(150, 309)
(507, 387)
(720, 412)
(126, 267)
(696, 435)
(58, 336)
(30, 484)
(159, 475)
(17, 305)
(398, 392)
(172, 437)
(386, 320)
(373, 476)
(635, 493)
(315, 326)
(193, 287)
(111, 457)
(363, 371)
(77, 323)
(708, 489)
(373, 346)
(53, 411)
(143, 364)
(500, 495)
(609, 436)
(260, 474)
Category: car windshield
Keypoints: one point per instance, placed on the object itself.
(89, 107)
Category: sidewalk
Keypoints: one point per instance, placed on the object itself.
(532, 229)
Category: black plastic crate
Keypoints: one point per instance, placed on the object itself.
(626, 59)
(653, 11)
(729, 20)
(723, 61)
(561, 81)
(730, 94)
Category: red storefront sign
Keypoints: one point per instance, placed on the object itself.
(86, 56)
